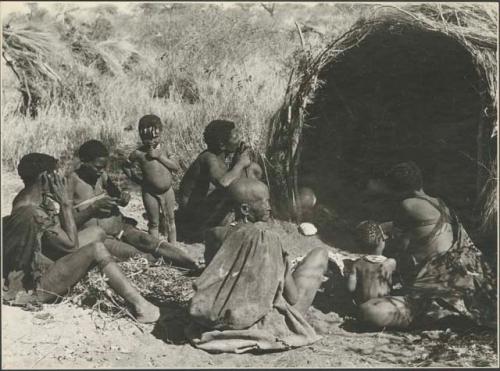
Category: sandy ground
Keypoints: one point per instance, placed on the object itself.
(67, 336)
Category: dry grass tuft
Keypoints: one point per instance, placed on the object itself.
(157, 282)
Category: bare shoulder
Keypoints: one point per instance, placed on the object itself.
(136, 155)
(206, 157)
(390, 264)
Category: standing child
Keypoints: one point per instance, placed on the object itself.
(371, 275)
(156, 180)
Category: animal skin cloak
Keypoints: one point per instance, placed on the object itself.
(23, 261)
(238, 305)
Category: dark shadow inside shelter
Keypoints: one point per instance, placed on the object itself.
(401, 94)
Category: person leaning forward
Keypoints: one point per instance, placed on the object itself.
(203, 202)
(97, 199)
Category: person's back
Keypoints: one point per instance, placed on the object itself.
(371, 275)
(425, 222)
(195, 184)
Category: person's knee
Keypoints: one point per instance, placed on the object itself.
(317, 258)
(98, 233)
(100, 252)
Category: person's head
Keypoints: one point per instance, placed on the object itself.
(371, 237)
(404, 177)
(94, 157)
(251, 199)
(222, 135)
(150, 128)
(306, 200)
(33, 165)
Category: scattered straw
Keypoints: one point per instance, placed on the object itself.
(157, 282)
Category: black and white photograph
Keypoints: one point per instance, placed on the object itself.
(249, 185)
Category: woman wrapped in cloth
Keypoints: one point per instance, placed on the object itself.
(443, 273)
(248, 298)
(36, 230)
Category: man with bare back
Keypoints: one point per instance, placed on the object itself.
(203, 202)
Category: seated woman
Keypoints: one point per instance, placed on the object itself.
(248, 298)
(443, 273)
(35, 230)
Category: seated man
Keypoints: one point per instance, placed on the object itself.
(248, 298)
(35, 231)
(202, 190)
(97, 198)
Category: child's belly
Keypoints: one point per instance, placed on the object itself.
(157, 178)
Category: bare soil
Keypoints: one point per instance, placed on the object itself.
(68, 336)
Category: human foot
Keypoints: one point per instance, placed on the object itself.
(147, 313)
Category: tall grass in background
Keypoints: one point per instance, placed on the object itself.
(248, 96)
(188, 64)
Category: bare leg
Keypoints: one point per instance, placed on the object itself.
(169, 204)
(70, 269)
(153, 211)
(124, 251)
(308, 277)
(90, 235)
(149, 244)
(85, 236)
(391, 311)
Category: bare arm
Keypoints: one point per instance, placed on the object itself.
(170, 164)
(57, 186)
(290, 291)
(58, 239)
(220, 176)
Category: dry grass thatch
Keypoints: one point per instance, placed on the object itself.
(474, 26)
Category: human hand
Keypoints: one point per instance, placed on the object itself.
(244, 158)
(124, 199)
(57, 188)
(105, 205)
(153, 153)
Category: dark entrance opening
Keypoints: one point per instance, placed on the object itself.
(402, 94)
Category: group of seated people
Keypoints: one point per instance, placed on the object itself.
(249, 295)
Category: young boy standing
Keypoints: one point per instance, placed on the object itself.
(156, 180)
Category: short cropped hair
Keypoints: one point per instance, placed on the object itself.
(217, 131)
(405, 176)
(91, 150)
(369, 233)
(33, 164)
(149, 121)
